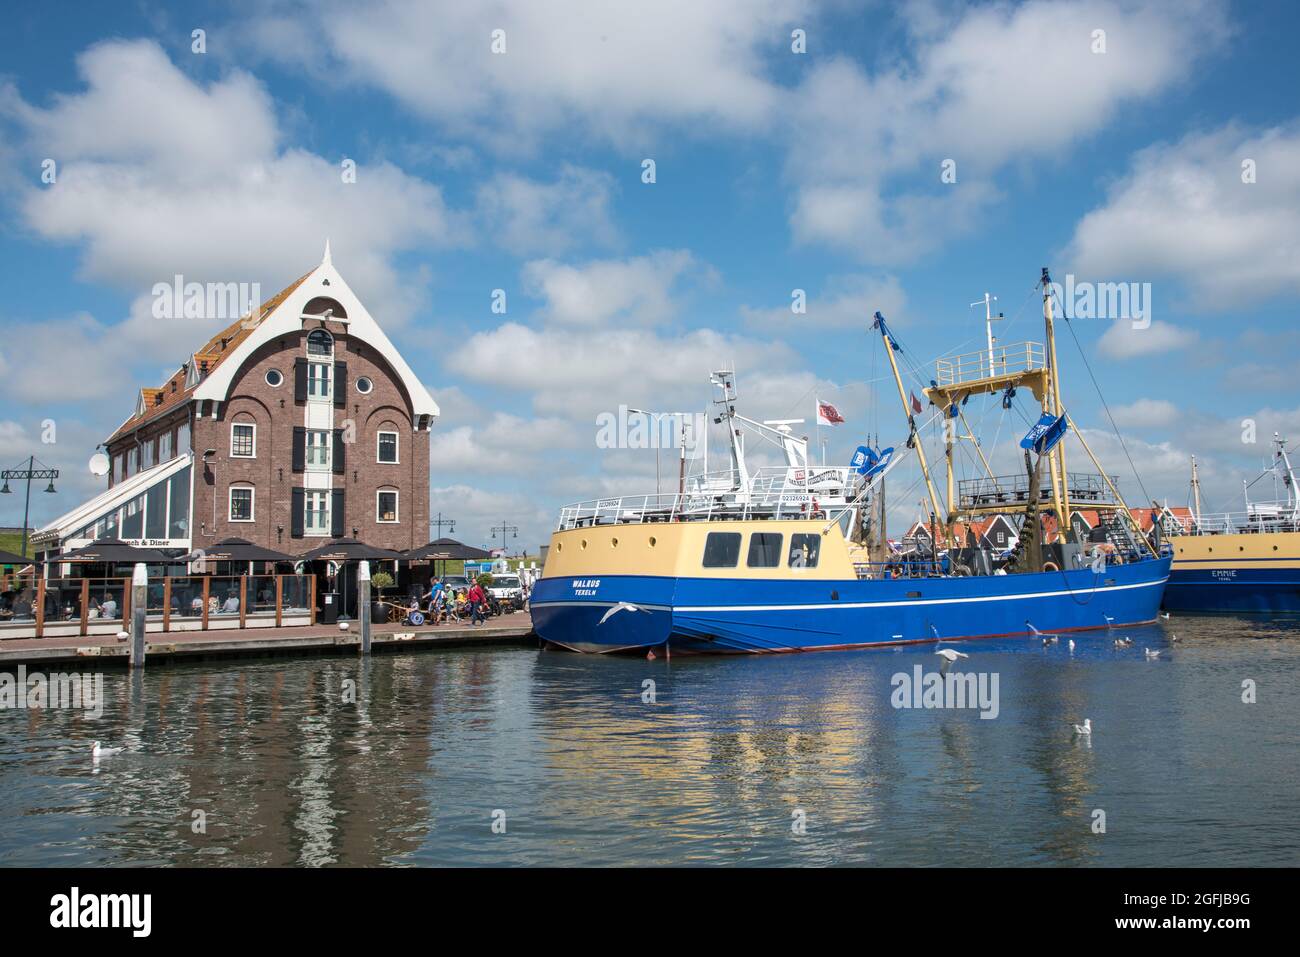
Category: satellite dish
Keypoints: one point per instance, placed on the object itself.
(99, 464)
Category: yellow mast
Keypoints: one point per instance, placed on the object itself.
(1056, 457)
(915, 436)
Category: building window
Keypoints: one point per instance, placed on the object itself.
(132, 462)
(148, 454)
(241, 503)
(387, 447)
(320, 343)
(165, 447)
(274, 378)
(318, 380)
(183, 437)
(364, 385)
(117, 469)
(316, 519)
(386, 506)
(243, 440)
(318, 448)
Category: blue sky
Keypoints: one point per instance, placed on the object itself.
(775, 171)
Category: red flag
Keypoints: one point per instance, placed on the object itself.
(916, 403)
(827, 414)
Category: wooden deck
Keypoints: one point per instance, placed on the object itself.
(516, 629)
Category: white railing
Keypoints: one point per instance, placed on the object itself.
(779, 492)
(1256, 519)
(1005, 360)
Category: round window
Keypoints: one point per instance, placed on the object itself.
(273, 377)
(364, 385)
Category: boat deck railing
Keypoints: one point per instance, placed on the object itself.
(1005, 360)
(1258, 518)
(771, 493)
(1085, 488)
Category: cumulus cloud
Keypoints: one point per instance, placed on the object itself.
(1122, 340)
(638, 290)
(527, 216)
(1146, 413)
(848, 302)
(1183, 210)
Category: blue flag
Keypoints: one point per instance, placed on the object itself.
(1047, 431)
(881, 462)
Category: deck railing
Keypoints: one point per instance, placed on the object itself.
(777, 492)
(1085, 488)
(1006, 360)
(1258, 518)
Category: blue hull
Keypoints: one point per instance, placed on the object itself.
(748, 615)
(1234, 591)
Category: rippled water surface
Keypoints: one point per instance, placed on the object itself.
(731, 754)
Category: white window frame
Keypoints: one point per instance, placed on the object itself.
(319, 355)
(397, 507)
(326, 376)
(366, 379)
(252, 503)
(307, 529)
(327, 445)
(240, 425)
(165, 439)
(397, 446)
(132, 462)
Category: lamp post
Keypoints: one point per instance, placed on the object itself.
(437, 523)
(655, 417)
(503, 528)
(28, 473)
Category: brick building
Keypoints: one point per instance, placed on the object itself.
(298, 423)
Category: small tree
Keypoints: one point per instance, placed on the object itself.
(379, 581)
(485, 580)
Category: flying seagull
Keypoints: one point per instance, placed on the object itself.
(621, 606)
(949, 656)
(1084, 730)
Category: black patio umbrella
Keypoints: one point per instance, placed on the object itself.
(239, 550)
(114, 551)
(343, 550)
(445, 549)
(9, 558)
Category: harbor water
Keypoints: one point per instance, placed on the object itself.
(516, 756)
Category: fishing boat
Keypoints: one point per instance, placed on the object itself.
(1245, 561)
(795, 557)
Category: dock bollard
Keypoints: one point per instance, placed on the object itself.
(363, 599)
(139, 609)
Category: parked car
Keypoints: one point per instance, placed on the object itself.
(508, 591)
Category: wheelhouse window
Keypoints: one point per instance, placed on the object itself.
(387, 447)
(386, 506)
(764, 550)
(316, 517)
(241, 503)
(804, 550)
(318, 380)
(722, 550)
(243, 440)
(318, 448)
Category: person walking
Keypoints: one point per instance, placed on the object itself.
(477, 598)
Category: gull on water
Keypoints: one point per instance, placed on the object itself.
(98, 752)
(1151, 655)
(1085, 729)
(1072, 644)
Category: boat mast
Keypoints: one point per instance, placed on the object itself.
(1196, 494)
(1056, 456)
(914, 437)
(1288, 479)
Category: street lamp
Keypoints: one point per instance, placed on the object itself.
(28, 473)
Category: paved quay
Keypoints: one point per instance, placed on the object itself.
(516, 629)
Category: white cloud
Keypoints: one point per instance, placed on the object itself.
(637, 290)
(1122, 340)
(1146, 413)
(848, 302)
(1183, 211)
(986, 87)
(133, 189)
(529, 217)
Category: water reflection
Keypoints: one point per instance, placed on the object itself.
(405, 758)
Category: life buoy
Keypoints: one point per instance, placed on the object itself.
(1050, 567)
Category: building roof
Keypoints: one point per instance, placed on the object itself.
(180, 386)
(69, 523)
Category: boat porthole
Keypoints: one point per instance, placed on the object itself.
(559, 546)
(613, 543)
(1241, 548)
(653, 542)
(583, 543)
(1274, 548)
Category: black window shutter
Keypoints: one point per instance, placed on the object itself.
(338, 452)
(340, 385)
(297, 512)
(336, 513)
(299, 448)
(300, 380)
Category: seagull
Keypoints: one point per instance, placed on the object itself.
(1035, 633)
(1123, 642)
(97, 752)
(1072, 644)
(949, 656)
(1165, 616)
(1050, 640)
(1084, 730)
(1174, 638)
(621, 606)
(1151, 655)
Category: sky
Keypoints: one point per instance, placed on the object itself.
(905, 158)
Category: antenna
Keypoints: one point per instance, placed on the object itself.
(989, 319)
